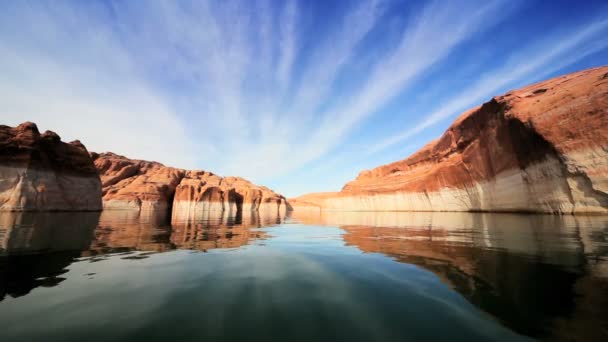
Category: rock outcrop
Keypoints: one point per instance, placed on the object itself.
(201, 190)
(144, 185)
(543, 148)
(39, 172)
(136, 184)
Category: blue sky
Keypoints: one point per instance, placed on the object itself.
(296, 95)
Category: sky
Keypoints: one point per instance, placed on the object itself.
(299, 96)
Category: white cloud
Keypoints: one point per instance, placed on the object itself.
(84, 86)
(432, 37)
(287, 41)
(225, 113)
(330, 57)
(429, 39)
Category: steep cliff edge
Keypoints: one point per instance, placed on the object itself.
(39, 172)
(143, 185)
(543, 148)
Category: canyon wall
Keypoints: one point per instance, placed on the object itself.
(543, 148)
(142, 185)
(39, 172)
(136, 184)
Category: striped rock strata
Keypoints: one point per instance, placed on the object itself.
(543, 148)
(144, 185)
(39, 172)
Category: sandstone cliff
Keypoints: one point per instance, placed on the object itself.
(136, 184)
(543, 148)
(144, 185)
(40, 172)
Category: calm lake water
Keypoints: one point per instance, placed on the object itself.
(120, 276)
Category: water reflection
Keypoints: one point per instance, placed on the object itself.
(37, 248)
(541, 275)
(208, 230)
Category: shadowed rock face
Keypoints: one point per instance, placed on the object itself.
(543, 148)
(40, 172)
(144, 185)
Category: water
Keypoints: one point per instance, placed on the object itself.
(119, 276)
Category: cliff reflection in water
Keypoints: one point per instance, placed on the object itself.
(37, 248)
(541, 275)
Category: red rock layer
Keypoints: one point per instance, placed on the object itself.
(541, 148)
(40, 172)
(137, 184)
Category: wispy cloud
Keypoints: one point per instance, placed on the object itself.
(76, 80)
(259, 88)
(424, 43)
(535, 62)
(287, 41)
(429, 39)
(335, 51)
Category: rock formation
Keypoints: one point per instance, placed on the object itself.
(543, 148)
(144, 185)
(136, 184)
(39, 172)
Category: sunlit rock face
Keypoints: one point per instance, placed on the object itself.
(136, 184)
(201, 191)
(39, 172)
(543, 148)
(143, 185)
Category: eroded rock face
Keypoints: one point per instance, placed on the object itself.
(543, 148)
(144, 185)
(39, 172)
(201, 190)
(136, 184)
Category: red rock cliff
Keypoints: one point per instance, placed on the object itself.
(543, 148)
(144, 185)
(40, 172)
